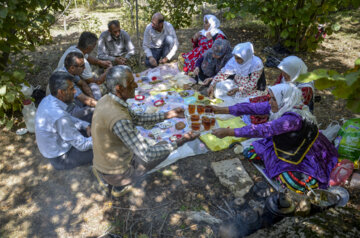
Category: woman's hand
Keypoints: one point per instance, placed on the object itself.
(232, 91)
(207, 81)
(220, 110)
(210, 91)
(208, 36)
(196, 71)
(223, 132)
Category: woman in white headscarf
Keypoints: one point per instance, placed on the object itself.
(202, 41)
(291, 67)
(247, 70)
(293, 150)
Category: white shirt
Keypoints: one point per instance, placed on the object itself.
(154, 39)
(87, 74)
(57, 131)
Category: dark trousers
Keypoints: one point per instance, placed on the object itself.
(161, 52)
(73, 158)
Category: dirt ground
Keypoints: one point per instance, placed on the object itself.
(38, 201)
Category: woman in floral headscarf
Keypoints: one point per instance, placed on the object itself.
(213, 60)
(202, 41)
(293, 150)
(247, 70)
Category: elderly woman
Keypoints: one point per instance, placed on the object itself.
(213, 60)
(293, 150)
(291, 68)
(246, 69)
(202, 41)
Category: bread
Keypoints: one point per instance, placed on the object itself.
(180, 125)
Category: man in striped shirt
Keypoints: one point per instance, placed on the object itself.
(121, 154)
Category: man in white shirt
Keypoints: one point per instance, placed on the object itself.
(160, 41)
(85, 46)
(59, 135)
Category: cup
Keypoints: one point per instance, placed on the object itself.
(194, 117)
(195, 126)
(192, 108)
(200, 109)
(206, 123)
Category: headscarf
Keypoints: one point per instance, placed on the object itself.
(293, 66)
(211, 66)
(214, 26)
(289, 99)
(251, 62)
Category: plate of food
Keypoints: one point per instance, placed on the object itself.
(175, 137)
(139, 97)
(186, 93)
(159, 103)
(165, 125)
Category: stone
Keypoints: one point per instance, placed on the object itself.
(200, 216)
(233, 175)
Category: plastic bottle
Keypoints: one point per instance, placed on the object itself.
(28, 112)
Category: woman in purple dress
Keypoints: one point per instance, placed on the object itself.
(293, 150)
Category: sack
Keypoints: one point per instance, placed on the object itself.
(347, 141)
(341, 173)
(331, 131)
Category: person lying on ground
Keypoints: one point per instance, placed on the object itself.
(60, 136)
(85, 46)
(246, 69)
(202, 41)
(160, 41)
(293, 150)
(121, 154)
(115, 45)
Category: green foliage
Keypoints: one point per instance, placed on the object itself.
(91, 24)
(10, 96)
(177, 12)
(24, 24)
(346, 85)
(294, 23)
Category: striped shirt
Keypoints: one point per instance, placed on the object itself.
(126, 131)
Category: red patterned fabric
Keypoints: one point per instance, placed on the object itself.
(199, 48)
(259, 119)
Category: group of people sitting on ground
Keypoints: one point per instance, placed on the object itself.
(77, 125)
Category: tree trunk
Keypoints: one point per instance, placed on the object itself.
(137, 29)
